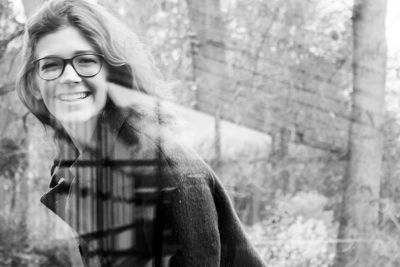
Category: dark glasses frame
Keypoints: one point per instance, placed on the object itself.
(69, 61)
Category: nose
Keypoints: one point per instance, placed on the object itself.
(70, 75)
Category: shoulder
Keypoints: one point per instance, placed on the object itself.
(150, 127)
(187, 164)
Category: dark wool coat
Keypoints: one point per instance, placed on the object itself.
(138, 198)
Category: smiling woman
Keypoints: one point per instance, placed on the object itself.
(74, 89)
(131, 192)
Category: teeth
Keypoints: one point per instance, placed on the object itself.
(73, 96)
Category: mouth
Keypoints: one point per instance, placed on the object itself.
(72, 97)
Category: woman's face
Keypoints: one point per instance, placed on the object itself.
(70, 97)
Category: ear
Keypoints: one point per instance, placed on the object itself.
(35, 91)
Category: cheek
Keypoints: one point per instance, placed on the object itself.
(98, 85)
(47, 90)
(46, 93)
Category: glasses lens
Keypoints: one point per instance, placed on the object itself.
(50, 68)
(87, 65)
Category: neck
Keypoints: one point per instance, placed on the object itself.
(81, 132)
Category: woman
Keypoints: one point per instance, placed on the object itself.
(131, 192)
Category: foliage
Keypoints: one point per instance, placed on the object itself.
(16, 249)
(385, 245)
(165, 28)
(12, 158)
(299, 232)
(9, 26)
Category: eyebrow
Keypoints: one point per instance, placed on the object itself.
(74, 54)
(83, 51)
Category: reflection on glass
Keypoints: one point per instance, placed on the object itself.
(133, 194)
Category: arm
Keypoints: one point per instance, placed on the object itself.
(236, 249)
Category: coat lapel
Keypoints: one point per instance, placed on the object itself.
(63, 178)
(55, 199)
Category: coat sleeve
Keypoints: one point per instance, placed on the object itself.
(236, 249)
(208, 230)
(204, 224)
(195, 225)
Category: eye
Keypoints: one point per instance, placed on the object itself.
(49, 64)
(87, 60)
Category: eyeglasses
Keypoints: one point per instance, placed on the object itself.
(86, 65)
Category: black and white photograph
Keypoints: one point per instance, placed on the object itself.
(214, 133)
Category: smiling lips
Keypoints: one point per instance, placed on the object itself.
(71, 97)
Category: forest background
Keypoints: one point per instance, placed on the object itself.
(295, 105)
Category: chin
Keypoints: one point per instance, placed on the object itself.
(77, 117)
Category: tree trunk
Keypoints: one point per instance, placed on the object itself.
(14, 185)
(208, 49)
(359, 218)
(217, 142)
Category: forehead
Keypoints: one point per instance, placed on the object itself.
(63, 42)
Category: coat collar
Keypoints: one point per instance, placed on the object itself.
(108, 130)
(126, 126)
